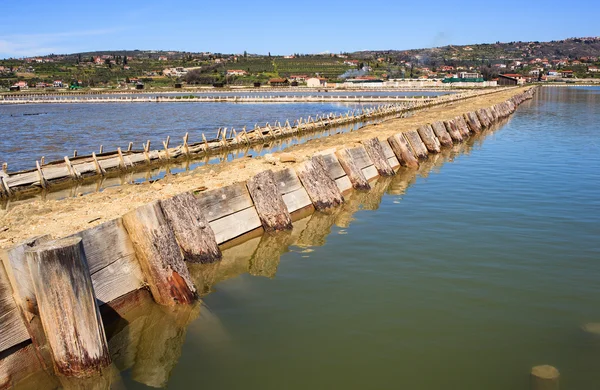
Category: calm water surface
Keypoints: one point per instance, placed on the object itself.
(461, 276)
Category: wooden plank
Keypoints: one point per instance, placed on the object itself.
(375, 152)
(322, 190)
(105, 244)
(344, 184)
(68, 308)
(353, 172)
(13, 330)
(158, 253)
(235, 225)
(429, 139)
(393, 161)
(21, 369)
(333, 166)
(443, 136)
(370, 172)
(387, 149)
(287, 181)
(418, 147)
(117, 279)
(191, 228)
(399, 144)
(224, 201)
(296, 200)
(268, 202)
(360, 156)
(452, 129)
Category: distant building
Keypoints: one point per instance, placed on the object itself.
(57, 84)
(236, 72)
(567, 74)
(316, 82)
(298, 77)
(279, 82)
(507, 80)
(593, 69)
(163, 58)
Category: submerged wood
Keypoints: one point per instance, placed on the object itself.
(159, 255)
(375, 152)
(268, 201)
(67, 307)
(191, 228)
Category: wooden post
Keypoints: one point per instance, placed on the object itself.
(72, 171)
(429, 139)
(443, 136)
(166, 145)
(417, 144)
(452, 129)
(130, 146)
(185, 144)
(5, 167)
(190, 226)
(146, 150)
(321, 189)
(67, 307)
(375, 152)
(206, 148)
(161, 260)
(544, 378)
(403, 151)
(101, 149)
(42, 160)
(99, 168)
(269, 204)
(355, 174)
(43, 182)
(121, 159)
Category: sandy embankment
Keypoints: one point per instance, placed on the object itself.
(67, 216)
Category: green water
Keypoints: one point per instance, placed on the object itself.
(463, 275)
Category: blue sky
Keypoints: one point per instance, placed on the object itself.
(38, 27)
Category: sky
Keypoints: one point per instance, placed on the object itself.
(40, 27)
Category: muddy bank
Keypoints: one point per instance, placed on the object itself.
(64, 217)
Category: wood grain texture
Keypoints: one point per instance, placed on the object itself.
(442, 134)
(471, 121)
(158, 253)
(403, 151)
(416, 143)
(353, 172)
(321, 189)
(235, 225)
(344, 184)
(370, 172)
(429, 139)
(296, 200)
(360, 156)
(376, 154)
(191, 228)
(118, 279)
(268, 202)
(333, 166)
(287, 181)
(224, 201)
(12, 327)
(452, 129)
(68, 308)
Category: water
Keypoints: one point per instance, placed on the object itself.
(54, 131)
(461, 276)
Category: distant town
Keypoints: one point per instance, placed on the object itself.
(570, 60)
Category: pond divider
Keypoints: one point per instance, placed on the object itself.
(51, 291)
(74, 169)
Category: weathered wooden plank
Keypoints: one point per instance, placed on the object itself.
(344, 184)
(376, 154)
(158, 253)
(370, 172)
(429, 139)
(287, 181)
(21, 369)
(106, 243)
(117, 279)
(321, 189)
(67, 307)
(418, 147)
(442, 134)
(403, 151)
(472, 121)
(12, 328)
(268, 202)
(452, 129)
(360, 156)
(387, 149)
(224, 201)
(333, 166)
(353, 172)
(296, 200)
(235, 225)
(191, 228)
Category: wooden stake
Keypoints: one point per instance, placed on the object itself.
(166, 145)
(42, 160)
(191, 228)
(161, 260)
(375, 152)
(205, 143)
(403, 151)
(146, 150)
(72, 171)
(99, 168)
(321, 189)
(121, 158)
(67, 307)
(355, 174)
(41, 175)
(130, 146)
(101, 149)
(185, 144)
(268, 201)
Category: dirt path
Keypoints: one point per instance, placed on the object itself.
(67, 216)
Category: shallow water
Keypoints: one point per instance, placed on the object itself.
(463, 275)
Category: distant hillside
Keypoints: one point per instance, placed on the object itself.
(478, 54)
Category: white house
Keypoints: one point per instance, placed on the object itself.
(316, 82)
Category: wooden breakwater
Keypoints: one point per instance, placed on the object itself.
(51, 290)
(74, 168)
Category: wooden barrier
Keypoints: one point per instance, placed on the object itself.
(148, 245)
(380, 160)
(442, 134)
(416, 143)
(429, 139)
(354, 173)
